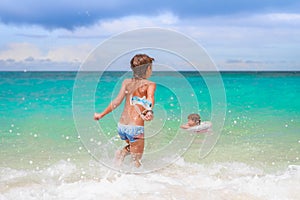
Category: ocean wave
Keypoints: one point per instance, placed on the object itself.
(181, 180)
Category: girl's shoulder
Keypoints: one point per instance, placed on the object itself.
(130, 82)
(127, 81)
(150, 82)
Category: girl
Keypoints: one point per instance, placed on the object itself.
(138, 93)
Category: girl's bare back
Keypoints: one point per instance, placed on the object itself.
(140, 88)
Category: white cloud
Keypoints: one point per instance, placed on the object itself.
(261, 37)
(20, 51)
(115, 26)
(29, 52)
(237, 30)
(70, 53)
(284, 17)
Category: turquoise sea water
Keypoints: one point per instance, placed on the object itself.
(42, 155)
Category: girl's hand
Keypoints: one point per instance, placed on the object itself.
(149, 116)
(98, 116)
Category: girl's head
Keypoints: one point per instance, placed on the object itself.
(194, 120)
(141, 65)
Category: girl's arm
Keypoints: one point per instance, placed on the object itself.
(150, 96)
(114, 104)
(185, 126)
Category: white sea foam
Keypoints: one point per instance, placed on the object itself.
(65, 180)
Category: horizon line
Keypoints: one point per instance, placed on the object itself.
(208, 71)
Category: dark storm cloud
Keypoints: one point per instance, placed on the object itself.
(69, 14)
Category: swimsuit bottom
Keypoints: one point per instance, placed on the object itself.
(130, 132)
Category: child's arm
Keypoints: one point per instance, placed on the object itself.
(114, 104)
(185, 126)
(150, 96)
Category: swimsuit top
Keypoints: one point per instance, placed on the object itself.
(141, 101)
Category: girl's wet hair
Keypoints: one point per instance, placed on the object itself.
(195, 118)
(139, 65)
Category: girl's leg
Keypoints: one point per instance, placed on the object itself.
(136, 151)
(121, 154)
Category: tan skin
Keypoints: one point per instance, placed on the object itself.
(189, 124)
(134, 87)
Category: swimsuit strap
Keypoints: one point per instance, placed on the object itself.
(141, 101)
(134, 100)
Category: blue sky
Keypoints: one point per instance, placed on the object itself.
(237, 34)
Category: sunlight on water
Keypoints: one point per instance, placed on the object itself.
(256, 157)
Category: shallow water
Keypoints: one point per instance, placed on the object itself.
(43, 156)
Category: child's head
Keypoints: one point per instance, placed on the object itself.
(141, 65)
(194, 120)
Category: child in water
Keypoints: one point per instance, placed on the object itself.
(193, 120)
(138, 93)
